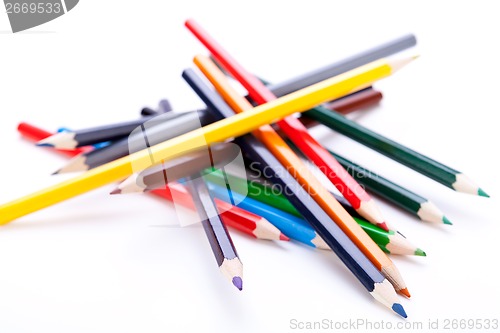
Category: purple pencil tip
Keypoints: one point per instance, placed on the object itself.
(238, 283)
(44, 145)
(116, 191)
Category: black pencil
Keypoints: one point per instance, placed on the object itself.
(159, 129)
(217, 234)
(147, 111)
(164, 106)
(400, 196)
(345, 249)
(93, 135)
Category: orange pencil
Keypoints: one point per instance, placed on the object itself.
(306, 179)
(295, 131)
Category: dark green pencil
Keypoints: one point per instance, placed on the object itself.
(396, 151)
(403, 198)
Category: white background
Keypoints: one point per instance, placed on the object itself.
(101, 264)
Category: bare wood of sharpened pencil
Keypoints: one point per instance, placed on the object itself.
(217, 234)
(232, 216)
(400, 245)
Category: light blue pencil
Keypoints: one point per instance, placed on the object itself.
(292, 226)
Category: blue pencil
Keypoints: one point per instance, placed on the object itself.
(292, 226)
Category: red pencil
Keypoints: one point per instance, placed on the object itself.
(295, 130)
(36, 134)
(232, 216)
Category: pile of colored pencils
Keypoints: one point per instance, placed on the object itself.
(186, 158)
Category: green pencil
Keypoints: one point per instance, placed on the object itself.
(270, 195)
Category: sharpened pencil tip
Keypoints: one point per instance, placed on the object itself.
(45, 145)
(446, 221)
(420, 252)
(56, 172)
(284, 237)
(398, 308)
(116, 191)
(238, 283)
(405, 292)
(397, 64)
(383, 226)
(481, 193)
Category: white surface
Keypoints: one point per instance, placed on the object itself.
(100, 264)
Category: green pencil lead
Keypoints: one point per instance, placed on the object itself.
(446, 221)
(481, 193)
(420, 252)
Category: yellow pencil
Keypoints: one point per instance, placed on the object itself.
(237, 125)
